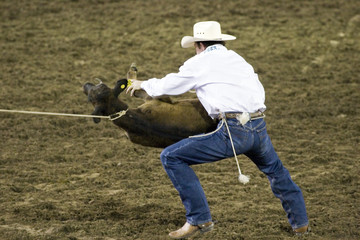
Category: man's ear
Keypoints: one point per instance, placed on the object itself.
(199, 47)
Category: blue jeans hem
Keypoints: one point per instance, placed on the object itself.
(198, 222)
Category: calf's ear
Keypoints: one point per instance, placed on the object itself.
(120, 86)
(87, 87)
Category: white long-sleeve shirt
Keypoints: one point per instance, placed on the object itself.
(222, 79)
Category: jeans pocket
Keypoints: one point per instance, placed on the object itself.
(239, 134)
(236, 126)
(261, 130)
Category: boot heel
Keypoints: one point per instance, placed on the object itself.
(204, 228)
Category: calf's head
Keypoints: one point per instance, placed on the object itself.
(104, 99)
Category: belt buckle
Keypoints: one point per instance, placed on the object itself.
(243, 118)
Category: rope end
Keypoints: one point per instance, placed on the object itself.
(244, 179)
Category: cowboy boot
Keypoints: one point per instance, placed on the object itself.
(302, 231)
(189, 230)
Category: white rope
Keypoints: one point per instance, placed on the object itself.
(111, 117)
(207, 134)
(242, 178)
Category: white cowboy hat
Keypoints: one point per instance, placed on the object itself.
(205, 31)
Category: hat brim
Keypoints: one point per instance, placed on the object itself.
(188, 41)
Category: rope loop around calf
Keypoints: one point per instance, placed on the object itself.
(117, 115)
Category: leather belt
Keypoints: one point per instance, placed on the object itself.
(253, 116)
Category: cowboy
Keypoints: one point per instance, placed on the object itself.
(230, 90)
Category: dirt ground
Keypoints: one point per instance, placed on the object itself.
(69, 178)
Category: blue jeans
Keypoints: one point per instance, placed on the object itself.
(253, 141)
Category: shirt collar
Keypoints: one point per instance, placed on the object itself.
(214, 47)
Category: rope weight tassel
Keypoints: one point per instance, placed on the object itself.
(244, 179)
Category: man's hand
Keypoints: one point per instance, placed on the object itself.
(135, 85)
